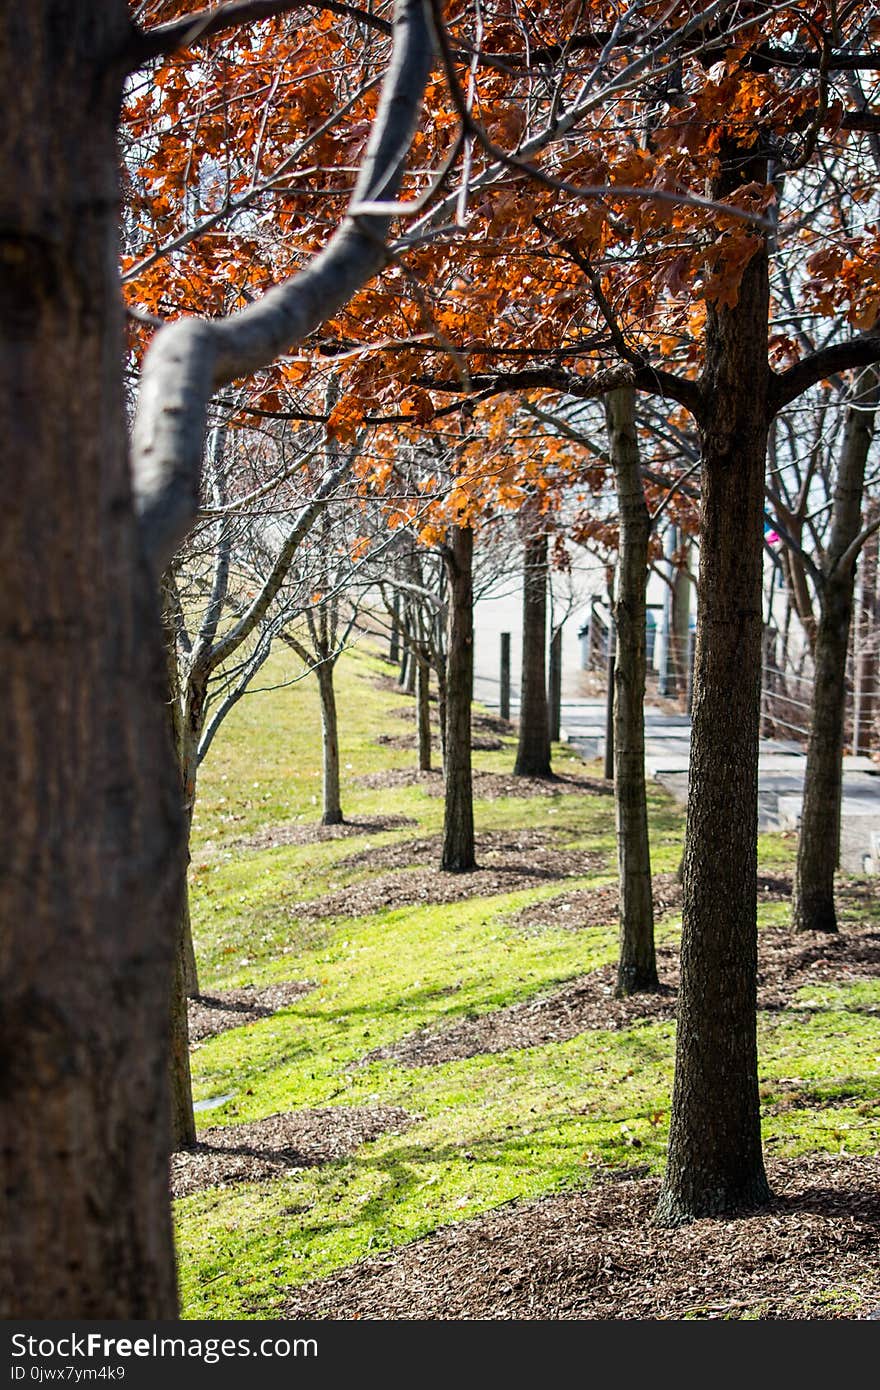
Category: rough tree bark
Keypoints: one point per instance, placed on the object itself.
(459, 852)
(637, 964)
(91, 849)
(533, 747)
(819, 836)
(715, 1162)
(184, 981)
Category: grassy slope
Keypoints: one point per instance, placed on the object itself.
(489, 1129)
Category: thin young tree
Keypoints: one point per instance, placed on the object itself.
(813, 906)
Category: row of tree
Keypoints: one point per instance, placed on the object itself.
(669, 200)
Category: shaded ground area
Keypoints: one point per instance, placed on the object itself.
(786, 963)
(508, 861)
(298, 833)
(489, 786)
(592, 1254)
(587, 1002)
(210, 1014)
(269, 1148)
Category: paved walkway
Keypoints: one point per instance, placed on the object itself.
(781, 767)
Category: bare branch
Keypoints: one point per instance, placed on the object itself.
(302, 524)
(192, 358)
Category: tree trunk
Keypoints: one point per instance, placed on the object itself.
(90, 842)
(533, 749)
(423, 712)
(715, 1163)
(819, 837)
(190, 966)
(332, 807)
(681, 618)
(796, 581)
(394, 645)
(183, 1120)
(459, 853)
(610, 668)
(440, 673)
(554, 688)
(637, 964)
(184, 986)
(410, 683)
(187, 758)
(865, 713)
(667, 684)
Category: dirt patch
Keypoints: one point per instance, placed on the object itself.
(268, 1148)
(491, 786)
(508, 862)
(389, 682)
(786, 963)
(408, 712)
(790, 961)
(409, 742)
(854, 894)
(210, 1014)
(296, 833)
(480, 723)
(493, 847)
(598, 907)
(593, 1254)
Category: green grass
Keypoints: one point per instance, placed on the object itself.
(485, 1131)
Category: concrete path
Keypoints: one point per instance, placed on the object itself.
(781, 766)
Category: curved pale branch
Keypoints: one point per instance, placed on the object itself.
(192, 358)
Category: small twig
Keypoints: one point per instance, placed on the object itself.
(676, 487)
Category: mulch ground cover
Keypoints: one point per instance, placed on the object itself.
(297, 833)
(409, 742)
(210, 1014)
(594, 1254)
(786, 963)
(407, 873)
(596, 907)
(489, 786)
(280, 1143)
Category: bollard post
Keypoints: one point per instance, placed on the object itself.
(505, 675)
